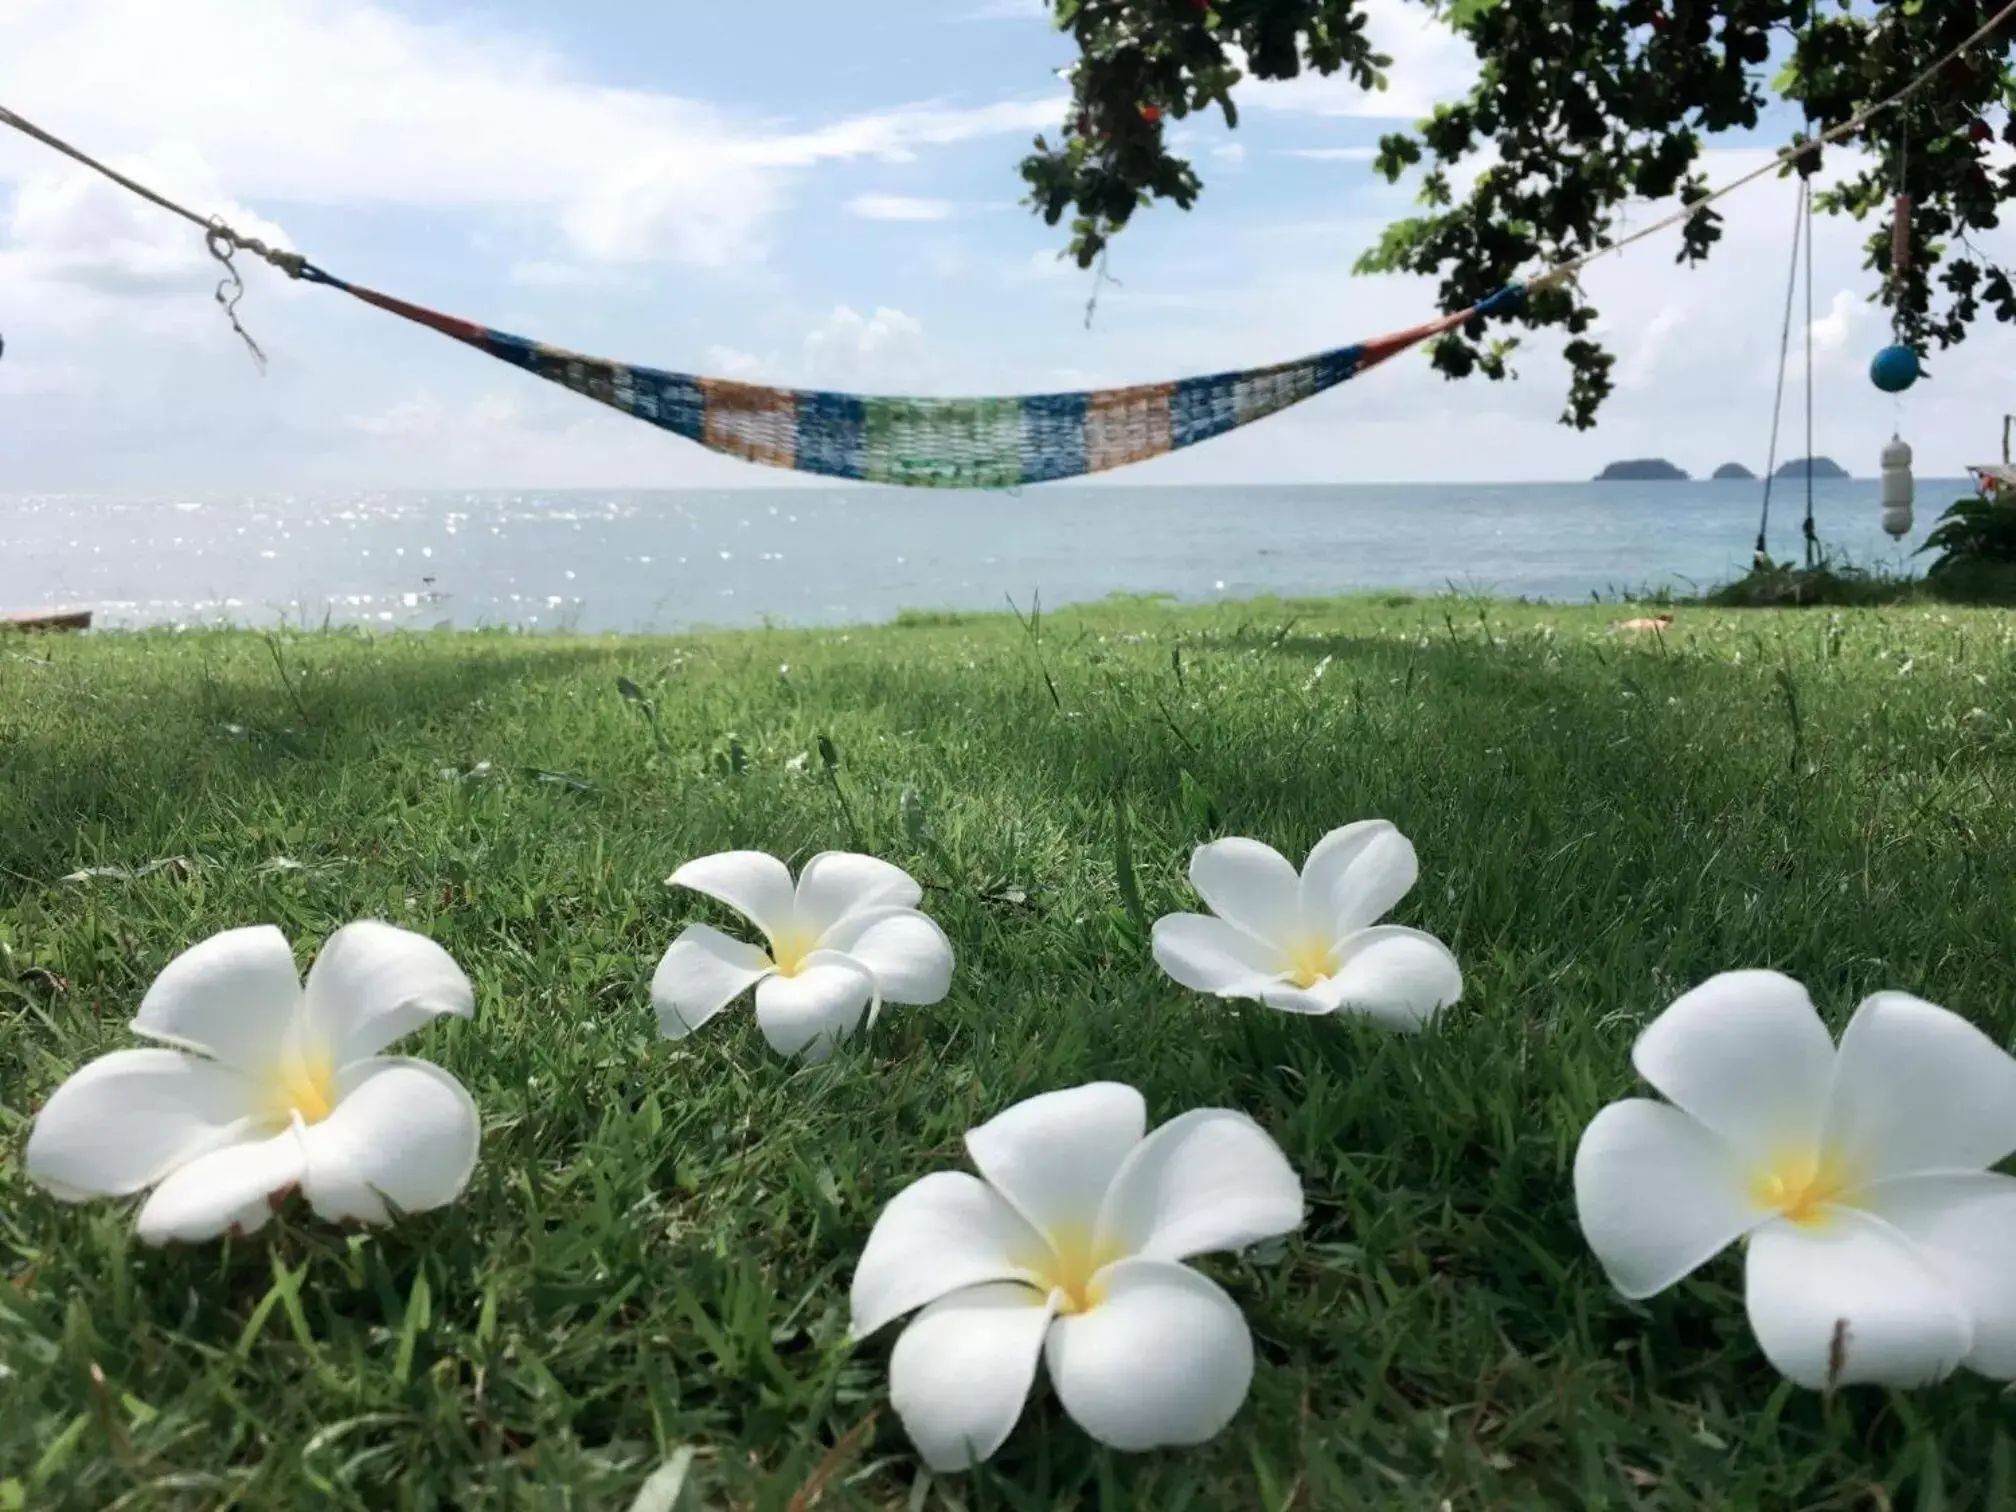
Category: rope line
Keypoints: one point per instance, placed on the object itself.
(1799, 210)
(1812, 541)
(219, 238)
(215, 231)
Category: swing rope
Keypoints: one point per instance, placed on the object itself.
(1812, 541)
(1801, 219)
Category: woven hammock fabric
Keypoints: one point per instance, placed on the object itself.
(935, 443)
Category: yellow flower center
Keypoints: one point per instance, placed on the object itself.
(1803, 1185)
(788, 949)
(1308, 959)
(303, 1083)
(1071, 1264)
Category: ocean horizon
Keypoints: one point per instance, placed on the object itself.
(672, 560)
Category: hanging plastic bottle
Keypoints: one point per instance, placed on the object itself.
(1897, 488)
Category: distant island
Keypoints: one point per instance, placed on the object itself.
(1820, 467)
(1641, 470)
(1737, 470)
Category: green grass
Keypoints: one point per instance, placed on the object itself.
(651, 1264)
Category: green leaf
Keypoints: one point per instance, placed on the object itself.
(419, 1312)
(1463, 14)
(1123, 869)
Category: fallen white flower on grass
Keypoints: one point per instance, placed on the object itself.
(1069, 1248)
(1311, 943)
(1881, 1249)
(846, 939)
(273, 1086)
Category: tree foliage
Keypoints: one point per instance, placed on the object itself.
(1588, 105)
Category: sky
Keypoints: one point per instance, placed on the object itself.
(794, 192)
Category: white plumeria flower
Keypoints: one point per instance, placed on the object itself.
(1311, 943)
(1069, 1248)
(846, 939)
(1880, 1248)
(273, 1087)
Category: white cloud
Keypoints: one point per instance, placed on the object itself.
(1431, 64)
(1638, 367)
(423, 415)
(1332, 154)
(71, 231)
(1047, 263)
(1845, 315)
(344, 102)
(1232, 154)
(530, 437)
(1007, 10)
(842, 349)
(541, 273)
(730, 362)
(21, 377)
(848, 350)
(897, 207)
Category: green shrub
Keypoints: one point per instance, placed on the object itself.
(1973, 530)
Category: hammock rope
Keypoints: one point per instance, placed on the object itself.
(1000, 442)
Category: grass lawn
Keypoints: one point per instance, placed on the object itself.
(651, 1264)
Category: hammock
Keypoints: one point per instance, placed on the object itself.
(953, 443)
(999, 442)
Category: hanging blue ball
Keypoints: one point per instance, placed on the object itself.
(1894, 369)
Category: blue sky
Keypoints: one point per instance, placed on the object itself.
(782, 191)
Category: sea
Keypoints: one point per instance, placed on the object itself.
(596, 561)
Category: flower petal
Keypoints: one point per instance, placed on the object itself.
(1207, 954)
(1249, 884)
(1314, 1001)
(1054, 1155)
(224, 1191)
(961, 1371)
(1918, 1089)
(234, 996)
(1163, 1359)
(1851, 1302)
(754, 884)
(1965, 1229)
(1210, 1179)
(702, 972)
(375, 983)
(1658, 1195)
(1745, 1053)
(811, 1013)
(946, 1231)
(835, 884)
(907, 951)
(1399, 976)
(127, 1119)
(403, 1132)
(1355, 875)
